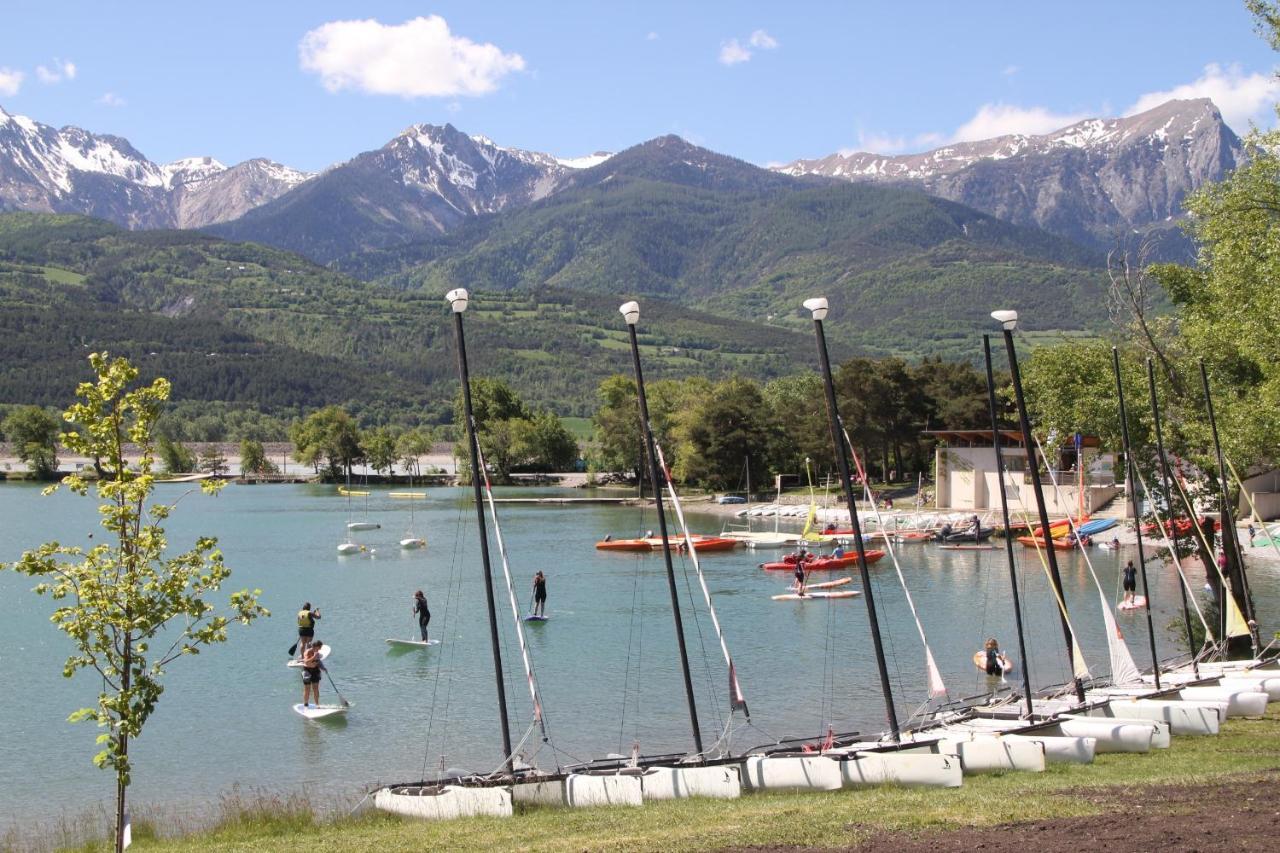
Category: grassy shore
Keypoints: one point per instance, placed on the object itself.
(1112, 784)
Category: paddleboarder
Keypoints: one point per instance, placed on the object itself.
(311, 666)
(1130, 581)
(539, 594)
(306, 627)
(799, 577)
(423, 612)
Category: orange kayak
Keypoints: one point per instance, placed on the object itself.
(654, 543)
(821, 564)
(1057, 530)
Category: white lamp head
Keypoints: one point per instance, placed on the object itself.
(630, 312)
(1007, 319)
(458, 299)
(817, 306)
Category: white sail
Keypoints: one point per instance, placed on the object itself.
(736, 699)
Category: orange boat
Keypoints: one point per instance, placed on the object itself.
(1056, 531)
(654, 543)
(821, 564)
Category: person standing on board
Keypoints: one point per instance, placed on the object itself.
(539, 594)
(306, 627)
(799, 577)
(423, 612)
(1130, 582)
(311, 665)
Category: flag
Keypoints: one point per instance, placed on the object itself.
(736, 699)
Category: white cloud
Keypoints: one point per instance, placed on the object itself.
(417, 59)
(994, 120)
(1010, 70)
(1241, 97)
(10, 81)
(883, 143)
(652, 36)
(731, 53)
(56, 72)
(111, 99)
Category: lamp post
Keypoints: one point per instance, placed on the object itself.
(1132, 484)
(818, 308)
(1008, 538)
(458, 302)
(1008, 321)
(631, 314)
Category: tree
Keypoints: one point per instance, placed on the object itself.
(253, 458)
(327, 436)
(617, 426)
(731, 425)
(212, 460)
(412, 445)
(542, 443)
(116, 598)
(176, 456)
(34, 433)
(380, 449)
(798, 406)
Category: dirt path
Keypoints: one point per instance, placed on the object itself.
(1226, 816)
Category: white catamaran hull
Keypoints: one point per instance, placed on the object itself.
(1160, 737)
(994, 753)
(444, 802)
(722, 782)
(1109, 735)
(832, 772)
(1240, 703)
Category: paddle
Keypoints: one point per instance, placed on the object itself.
(341, 699)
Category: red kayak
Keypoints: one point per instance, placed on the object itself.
(1181, 526)
(821, 564)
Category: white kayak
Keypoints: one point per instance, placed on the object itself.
(363, 525)
(319, 712)
(416, 644)
(324, 653)
(821, 593)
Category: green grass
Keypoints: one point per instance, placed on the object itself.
(821, 819)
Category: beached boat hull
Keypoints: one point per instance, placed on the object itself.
(444, 802)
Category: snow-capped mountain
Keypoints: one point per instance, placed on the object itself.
(70, 170)
(424, 182)
(1089, 181)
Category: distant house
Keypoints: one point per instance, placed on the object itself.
(965, 473)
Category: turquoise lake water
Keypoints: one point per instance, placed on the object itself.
(605, 661)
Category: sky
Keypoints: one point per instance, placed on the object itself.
(313, 83)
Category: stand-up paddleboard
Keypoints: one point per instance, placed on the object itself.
(823, 585)
(821, 593)
(1136, 603)
(532, 618)
(324, 653)
(412, 644)
(319, 712)
(980, 661)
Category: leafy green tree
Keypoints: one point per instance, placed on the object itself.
(176, 457)
(732, 425)
(542, 443)
(617, 426)
(253, 458)
(330, 437)
(412, 445)
(120, 596)
(799, 408)
(212, 460)
(380, 449)
(34, 433)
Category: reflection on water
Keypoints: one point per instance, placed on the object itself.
(605, 660)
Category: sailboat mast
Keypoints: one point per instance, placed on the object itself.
(631, 313)
(1244, 598)
(818, 307)
(1008, 537)
(1009, 320)
(1132, 484)
(458, 300)
(1168, 502)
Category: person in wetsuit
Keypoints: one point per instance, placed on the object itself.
(799, 573)
(423, 612)
(539, 594)
(1130, 581)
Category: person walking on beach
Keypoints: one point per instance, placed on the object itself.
(423, 612)
(1130, 581)
(539, 594)
(311, 666)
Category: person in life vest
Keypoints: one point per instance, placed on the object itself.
(423, 612)
(311, 666)
(1130, 581)
(994, 662)
(306, 628)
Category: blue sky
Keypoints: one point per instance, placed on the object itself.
(307, 84)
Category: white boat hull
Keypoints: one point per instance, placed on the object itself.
(445, 802)
(792, 773)
(1061, 749)
(1109, 735)
(723, 781)
(1240, 703)
(909, 769)
(994, 753)
(1160, 736)
(585, 790)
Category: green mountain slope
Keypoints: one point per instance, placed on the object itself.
(248, 324)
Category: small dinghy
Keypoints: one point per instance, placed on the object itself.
(363, 525)
(412, 543)
(349, 548)
(324, 653)
(411, 644)
(319, 712)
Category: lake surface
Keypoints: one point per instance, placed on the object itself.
(606, 660)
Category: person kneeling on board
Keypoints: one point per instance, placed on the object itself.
(311, 666)
(994, 665)
(423, 613)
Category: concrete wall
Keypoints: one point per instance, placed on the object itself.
(1265, 491)
(967, 479)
